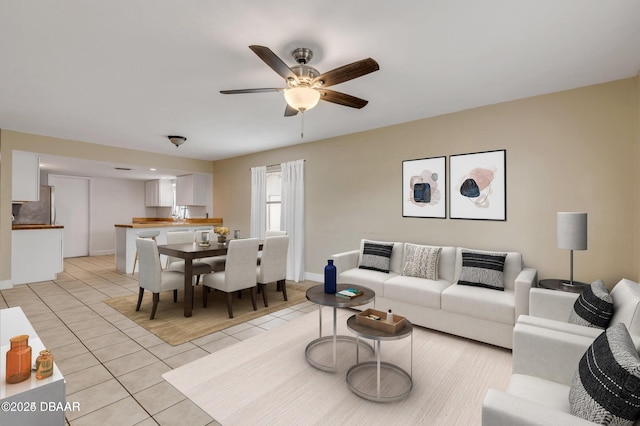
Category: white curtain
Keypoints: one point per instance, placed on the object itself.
(258, 201)
(292, 216)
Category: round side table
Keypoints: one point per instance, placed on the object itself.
(556, 284)
(358, 375)
(317, 295)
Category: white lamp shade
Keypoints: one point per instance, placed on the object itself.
(302, 98)
(572, 230)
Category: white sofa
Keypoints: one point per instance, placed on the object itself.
(546, 353)
(477, 313)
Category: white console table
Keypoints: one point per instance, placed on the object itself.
(31, 402)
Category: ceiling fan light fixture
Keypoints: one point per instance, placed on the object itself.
(302, 98)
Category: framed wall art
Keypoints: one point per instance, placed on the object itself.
(478, 185)
(424, 188)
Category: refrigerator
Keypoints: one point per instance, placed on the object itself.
(36, 212)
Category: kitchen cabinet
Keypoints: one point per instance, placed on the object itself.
(191, 190)
(36, 254)
(25, 176)
(159, 193)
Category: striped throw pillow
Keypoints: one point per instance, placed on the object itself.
(376, 257)
(594, 307)
(606, 387)
(482, 269)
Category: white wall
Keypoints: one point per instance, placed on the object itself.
(113, 201)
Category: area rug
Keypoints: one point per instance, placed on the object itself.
(266, 379)
(173, 327)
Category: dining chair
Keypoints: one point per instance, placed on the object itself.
(151, 277)
(273, 267)
(175, 264)
(216, 263)
(143, 234)
(239, 272)
(268, 234)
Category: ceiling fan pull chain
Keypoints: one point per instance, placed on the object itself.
(302, 127)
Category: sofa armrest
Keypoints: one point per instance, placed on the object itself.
(525, 280)
(562, 326)
(346, 260)
(551, 304)
(547, 354)
(501, 409)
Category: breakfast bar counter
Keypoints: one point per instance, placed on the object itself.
(126, 235)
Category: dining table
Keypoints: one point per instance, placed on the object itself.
(188, 252)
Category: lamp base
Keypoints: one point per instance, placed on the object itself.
(577, 284)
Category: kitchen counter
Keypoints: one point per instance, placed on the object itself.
(138, 222)
(20, 227)
(126, 235)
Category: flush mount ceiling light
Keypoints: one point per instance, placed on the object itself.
(177, 140)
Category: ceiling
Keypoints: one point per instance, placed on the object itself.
(129, 73)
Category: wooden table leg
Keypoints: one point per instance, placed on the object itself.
(188, 288)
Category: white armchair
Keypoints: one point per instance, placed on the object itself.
(544, 364)
(551, 309)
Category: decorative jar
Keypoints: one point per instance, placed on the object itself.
(44, 364)
(18, 359)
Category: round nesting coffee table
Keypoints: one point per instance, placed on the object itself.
(317, 295)
(359, 376)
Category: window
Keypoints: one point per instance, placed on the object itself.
(274, 197)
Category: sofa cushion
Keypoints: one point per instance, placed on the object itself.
(512, 266)
(421, 261)
(544, 392)
(594, 307)
(376, 256)
(416, 291)
(606, 386)
(478, 302)
(482, 269)
(367, 278)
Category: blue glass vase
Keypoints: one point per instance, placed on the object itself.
(330, 278)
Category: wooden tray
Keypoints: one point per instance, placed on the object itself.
(381, 324)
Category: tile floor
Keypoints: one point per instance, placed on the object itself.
(113, 367)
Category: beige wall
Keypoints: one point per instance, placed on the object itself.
(568, 151)
(10, 140)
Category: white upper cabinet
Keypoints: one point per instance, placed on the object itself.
(158, 193)
(26, 176)
(191, 190)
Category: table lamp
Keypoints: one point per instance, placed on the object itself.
(572, 235)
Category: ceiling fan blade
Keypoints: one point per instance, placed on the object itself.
(347, 72)
(290, 111)
(342, 99)
(274, 62)
(234, 92)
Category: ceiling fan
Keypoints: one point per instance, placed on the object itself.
(305, 85)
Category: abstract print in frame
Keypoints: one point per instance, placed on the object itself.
(478, 185)
(424, 188)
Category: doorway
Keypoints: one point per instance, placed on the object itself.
(72, 211)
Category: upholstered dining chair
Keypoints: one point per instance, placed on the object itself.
(145, 233)
(175, 264)
(239, 272)
(151, 277)
(273, 267)
(216, 263)
(268, 234)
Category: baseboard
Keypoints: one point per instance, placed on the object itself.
(102, 252)
(6, 284)
(310, 276)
